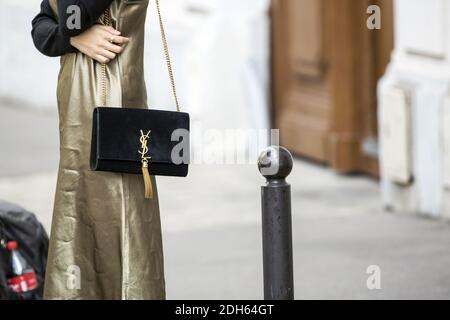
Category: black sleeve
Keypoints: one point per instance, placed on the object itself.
(90, 11)
(46, 34)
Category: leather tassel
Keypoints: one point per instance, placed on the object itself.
(147, 182)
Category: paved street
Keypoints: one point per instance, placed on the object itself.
(212, 230)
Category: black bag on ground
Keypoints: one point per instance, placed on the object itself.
(21, 226)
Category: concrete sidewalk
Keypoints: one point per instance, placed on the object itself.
(212, 231)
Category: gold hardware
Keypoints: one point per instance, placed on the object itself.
(144, 160)
(144, 145)
(107, 22)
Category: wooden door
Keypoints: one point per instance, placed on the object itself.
(326, 64)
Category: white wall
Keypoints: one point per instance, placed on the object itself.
(420, 71)
(25, 76)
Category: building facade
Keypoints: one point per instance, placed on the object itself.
(414, 111)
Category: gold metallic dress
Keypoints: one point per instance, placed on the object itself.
(106, 237)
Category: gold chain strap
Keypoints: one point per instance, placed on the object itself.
(166, 51)
(107, 22)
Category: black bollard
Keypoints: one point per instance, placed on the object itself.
(275, 164)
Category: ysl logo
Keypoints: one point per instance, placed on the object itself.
(144, 146)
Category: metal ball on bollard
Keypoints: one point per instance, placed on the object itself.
(275, 164)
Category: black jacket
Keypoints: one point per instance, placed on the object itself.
(51, 36)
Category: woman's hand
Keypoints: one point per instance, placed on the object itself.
(101, 43)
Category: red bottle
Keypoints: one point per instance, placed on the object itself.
(22, 278)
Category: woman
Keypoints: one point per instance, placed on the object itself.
(106, 238)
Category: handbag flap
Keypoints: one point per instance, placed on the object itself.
(118, 133)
